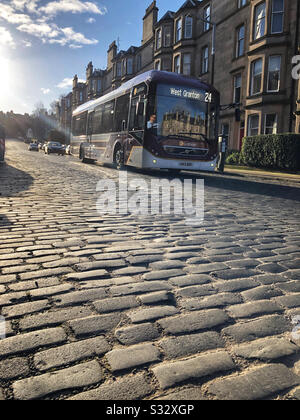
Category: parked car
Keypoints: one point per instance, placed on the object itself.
(54, 147)
(33, 147)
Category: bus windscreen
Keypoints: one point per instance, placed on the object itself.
(184, 112)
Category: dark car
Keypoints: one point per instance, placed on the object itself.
(54, 147)
(33, 147)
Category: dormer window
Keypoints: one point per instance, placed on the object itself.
(188, 30)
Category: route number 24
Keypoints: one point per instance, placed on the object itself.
(208, 97)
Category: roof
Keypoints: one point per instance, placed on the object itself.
(189, 4)
(167, 16)
(147, 77)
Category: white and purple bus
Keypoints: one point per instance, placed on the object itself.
(155, 120)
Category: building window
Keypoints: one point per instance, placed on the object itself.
(253, 125)
(188, 31)
(158, 39)
(167, 64)
(119, 69)
(240, 42)
(123, 67)
(177, 64)
(256, 77)
(274, 73)
(206, 17)
(178, 30)
(259, 21)
(241, 3)
(98, 85)
(167, 36)
(271, 124)
(94, 86)
(129, 65)
(187, 60)
(157, 65)
(277, 16)
(204, 66)
(237, 89)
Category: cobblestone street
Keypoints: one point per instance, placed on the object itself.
(119, 307)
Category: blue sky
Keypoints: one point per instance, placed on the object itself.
(43, 43)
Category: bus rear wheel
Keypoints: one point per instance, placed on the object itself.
(81, 156)
(119, 158)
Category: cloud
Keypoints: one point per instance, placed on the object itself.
(26, 43)
(8, 13)
(77, 37)
(91, 20)
(37, 21)
(45, 91)
(40, 30)
(72, 6)
(68, 82)
(6, 38)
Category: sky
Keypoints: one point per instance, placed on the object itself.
(44, 43)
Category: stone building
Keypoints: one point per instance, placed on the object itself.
(243, 47)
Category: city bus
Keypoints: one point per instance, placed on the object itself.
(157, 120)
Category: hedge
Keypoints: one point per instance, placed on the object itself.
(272, 151)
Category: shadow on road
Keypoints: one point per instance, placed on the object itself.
(13, 180)
(230, 184)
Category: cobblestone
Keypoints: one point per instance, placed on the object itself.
(70, 353)
(150, 314)
(175, 347)
(266, 349)
(52, 318)
(115, 304)
(127, 388)
(132, 356)
(94, 324)
(137, 333)
(158, 297)
(170, 374)
(14, 368)
(31, 341)
(256, 384)
(262, 327)
(259, 307)
(74, 377)
(199, 320)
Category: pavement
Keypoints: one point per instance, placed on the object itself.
(122, 307)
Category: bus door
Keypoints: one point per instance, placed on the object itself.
(136, 126)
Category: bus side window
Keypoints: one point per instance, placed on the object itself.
(97, 123)
(121, 113)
